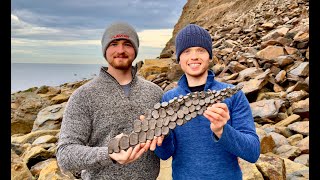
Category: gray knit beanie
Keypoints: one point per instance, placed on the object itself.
(119, 30)
(193, 36)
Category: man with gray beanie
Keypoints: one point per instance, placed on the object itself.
(106, 107)
(209, 145)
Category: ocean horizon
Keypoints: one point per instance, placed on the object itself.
(28, 75)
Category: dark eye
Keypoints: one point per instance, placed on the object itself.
(186, 51)
(201, 50)
(128, 44)
(113, 44)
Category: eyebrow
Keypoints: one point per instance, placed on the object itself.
(126, 40)
(117, 40)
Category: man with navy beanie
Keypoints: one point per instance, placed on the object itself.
(208, 146)
(193, 36)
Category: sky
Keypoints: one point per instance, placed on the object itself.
(70, 31)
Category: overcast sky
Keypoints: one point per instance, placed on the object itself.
(70, 31)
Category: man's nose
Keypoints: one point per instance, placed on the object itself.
(120, 48)
(193, 55)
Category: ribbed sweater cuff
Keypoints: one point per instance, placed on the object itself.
(103, 156)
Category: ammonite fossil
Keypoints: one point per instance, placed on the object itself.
(168, 115)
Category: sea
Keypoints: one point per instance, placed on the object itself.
(27, 75)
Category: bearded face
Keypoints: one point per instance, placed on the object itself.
(120, 54)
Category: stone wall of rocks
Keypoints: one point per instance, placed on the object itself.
(33, 147)
(266, 49)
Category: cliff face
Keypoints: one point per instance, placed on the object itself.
(212, 13)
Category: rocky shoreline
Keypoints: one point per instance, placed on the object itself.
(266, 49)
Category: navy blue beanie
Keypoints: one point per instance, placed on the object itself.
(193, 36)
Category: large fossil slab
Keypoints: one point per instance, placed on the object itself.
(168, 115)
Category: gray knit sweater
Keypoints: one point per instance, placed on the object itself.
(97, 112)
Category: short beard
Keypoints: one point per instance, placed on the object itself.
(122, 66)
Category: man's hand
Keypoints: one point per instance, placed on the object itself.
(130, 155)
(156, 140)
(218, 115)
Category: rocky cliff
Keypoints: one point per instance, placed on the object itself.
(261, 44)
(210, 14)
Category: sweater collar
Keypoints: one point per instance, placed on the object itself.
(183, 82)
(107, 76)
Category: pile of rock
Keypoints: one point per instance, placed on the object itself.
(36, 116)
(164, 72)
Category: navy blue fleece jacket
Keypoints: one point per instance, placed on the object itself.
(196, 153)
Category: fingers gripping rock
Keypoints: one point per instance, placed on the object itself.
(168, 115)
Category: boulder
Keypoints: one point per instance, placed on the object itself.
(301, 127)
(155, 66)
(19, 169)
(49, 118)
(52, 171)
(266, 108)
(271, 167)
(249, 170)
(291, 119)
(28, 104)
(270, 52)
(29, 138)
